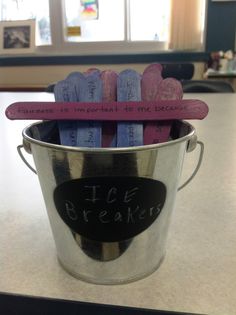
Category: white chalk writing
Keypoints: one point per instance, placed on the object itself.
(129, 215)
(112, 195)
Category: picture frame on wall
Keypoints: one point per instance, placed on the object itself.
(17, 37)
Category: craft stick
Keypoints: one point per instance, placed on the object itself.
(65, 91)
(155, 88)
(112, 111)
(90, 90)
(169, 89)
(129, 89)
(109, 86)
(92, 70)
(109, 94)
(76, 78)
(154, 132)
(154, 67)
(150, 83)
(69, 132)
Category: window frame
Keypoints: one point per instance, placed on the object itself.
(60, 46)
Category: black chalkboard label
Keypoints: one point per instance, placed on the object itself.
(110, 209)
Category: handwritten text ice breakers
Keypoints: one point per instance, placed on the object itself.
(108, 215)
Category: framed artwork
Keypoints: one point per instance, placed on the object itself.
(17, 37)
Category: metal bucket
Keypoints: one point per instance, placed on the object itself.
(109, 208)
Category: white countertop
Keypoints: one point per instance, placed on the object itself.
(199, 271)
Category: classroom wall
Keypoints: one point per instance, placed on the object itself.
(221, 25)
(42, 76)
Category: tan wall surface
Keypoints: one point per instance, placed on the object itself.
(42, 76)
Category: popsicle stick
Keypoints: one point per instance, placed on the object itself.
(149, 85)
(113, 111)
(170, 89)
(109, 85)
(87, 133)
(65, 91)
(109, 94)
(129, 89)
(154, 132)
(154, 67)
(90, 90)
(76, 78)
(75, 75)
(92, 70)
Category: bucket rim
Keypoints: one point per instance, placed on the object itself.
(89, 150)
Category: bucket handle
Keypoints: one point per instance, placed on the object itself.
(19, 147)
(200, 143)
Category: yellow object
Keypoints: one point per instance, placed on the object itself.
(73, 31)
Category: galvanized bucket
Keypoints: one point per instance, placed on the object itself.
(109, 208)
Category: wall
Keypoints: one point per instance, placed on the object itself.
(221, 25)
(41, 76)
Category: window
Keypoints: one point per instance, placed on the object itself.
(29, 9)
(149, 20)
(106, 24)
(95, 26)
